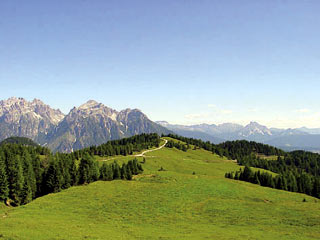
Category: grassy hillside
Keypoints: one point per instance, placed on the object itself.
(171, 204)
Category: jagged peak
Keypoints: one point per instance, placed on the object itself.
(15, 107)
(128, 110)
(89, 104)
(92, 108)
(13, 100)
(38, 101)
(254, 123)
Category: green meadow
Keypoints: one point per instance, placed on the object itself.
(190, 199)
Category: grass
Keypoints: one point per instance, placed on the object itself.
(171, 204)
(270, 158)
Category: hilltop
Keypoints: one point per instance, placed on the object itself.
(188, 199)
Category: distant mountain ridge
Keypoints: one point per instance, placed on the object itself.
(288, 139)
(34, 119)
(92, 123)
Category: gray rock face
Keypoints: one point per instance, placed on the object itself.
(91, 123)
(34, 120)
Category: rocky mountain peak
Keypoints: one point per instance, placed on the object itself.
(14, 108)
(91, 109)
(90, 104)
(19, 117)
(91, 123)
(254, 128)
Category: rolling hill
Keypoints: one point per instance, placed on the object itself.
(189, 199)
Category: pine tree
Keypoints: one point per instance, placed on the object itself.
(247, 174)
(38, 171)
(256, 179)
(88, 169)
(106, 172)
(84, 168)
(30, 183)
(53, 178)
(136, 166)
(95, 171)
(116, 170)
(236, 176)
(15, 178)
(316, 188)
(123, 171)
(4, 186)
(129, 173)
(73, 172)
(26, 194)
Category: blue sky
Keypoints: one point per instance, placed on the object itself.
(182, 61)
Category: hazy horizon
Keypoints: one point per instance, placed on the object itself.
(185, 62)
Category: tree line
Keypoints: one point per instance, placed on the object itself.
(28, 172)
(302, 183)
(298, 171)
(231, 149)
(125, 146)
(178, 145)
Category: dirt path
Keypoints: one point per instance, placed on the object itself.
(151, 150)
(140, 154)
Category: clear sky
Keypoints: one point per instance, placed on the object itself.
(184, 61)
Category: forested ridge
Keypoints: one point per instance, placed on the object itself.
(28, 172)
(230, 149)
(297, 171)
(20, 140)
(125, 146)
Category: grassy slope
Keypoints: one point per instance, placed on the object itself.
(172, 204)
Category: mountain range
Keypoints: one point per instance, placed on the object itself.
(287, 139)
(91, 123)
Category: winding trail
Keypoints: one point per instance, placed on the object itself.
(140, 154)
(151, 150)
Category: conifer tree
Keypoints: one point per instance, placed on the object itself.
(123, 171)
(116, 170)
(316, 188)
(105, 172)
(30, 183)
(26, 193)
(4, 187)
(38, 171)
(53, 178)
(74, 178)
(84, 169)
(129, 173)
(88, 169)
(256, 179)
(95, 171)
(15, 178)
(247, 174)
